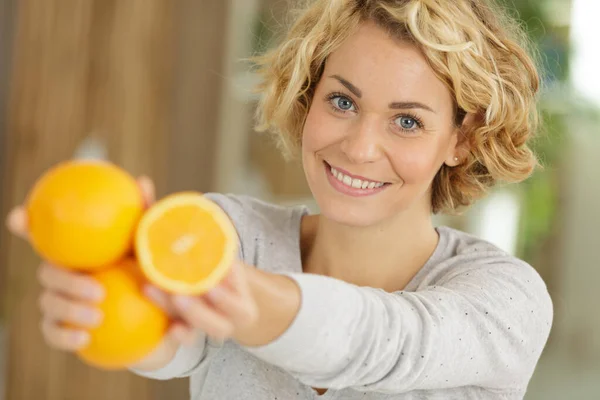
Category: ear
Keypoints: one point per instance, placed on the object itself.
(459, 144)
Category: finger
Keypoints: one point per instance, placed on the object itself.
(235, 280)
(63, 338)
(185, 335)
(16, 222)
(199, 315)
(73, 285)
(160, 298)
(58, 308)
(148, 190)
(242, 310)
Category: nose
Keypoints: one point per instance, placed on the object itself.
(363, 143)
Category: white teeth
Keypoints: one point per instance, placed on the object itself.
(339, 176)
(355, 183)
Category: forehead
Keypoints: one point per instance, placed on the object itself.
(388, 68)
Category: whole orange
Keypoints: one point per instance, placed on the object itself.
(83, 214)
(132, 326)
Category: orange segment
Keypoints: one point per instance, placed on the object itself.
(186, 244)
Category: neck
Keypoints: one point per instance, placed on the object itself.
(385, 256)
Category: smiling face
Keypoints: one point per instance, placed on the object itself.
(380, 126)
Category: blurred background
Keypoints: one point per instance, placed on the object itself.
(161, 88)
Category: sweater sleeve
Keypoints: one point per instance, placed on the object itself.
(485, 327)
(186, 362)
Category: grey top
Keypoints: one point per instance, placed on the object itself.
(471, 324)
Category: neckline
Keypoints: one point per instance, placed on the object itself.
(296, 226)
(297, 214)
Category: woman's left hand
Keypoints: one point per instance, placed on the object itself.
(222, 312)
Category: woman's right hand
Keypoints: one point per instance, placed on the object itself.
(68, 298)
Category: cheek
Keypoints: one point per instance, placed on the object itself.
(415, 162)
(311, 135)
(319, 130)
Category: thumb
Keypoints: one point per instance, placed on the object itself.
(16, 222)
(148, 190)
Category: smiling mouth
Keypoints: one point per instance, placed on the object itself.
(355, 182)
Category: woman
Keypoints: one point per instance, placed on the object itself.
(400, 110)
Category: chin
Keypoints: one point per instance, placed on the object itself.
(362, 220)
(350, 211)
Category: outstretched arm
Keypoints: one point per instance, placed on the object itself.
(484, 327)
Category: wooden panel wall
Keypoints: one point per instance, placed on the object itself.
(200, 78)
(7, 14)
(285, 178)
(116, 70)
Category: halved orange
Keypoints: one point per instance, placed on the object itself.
(186, 244)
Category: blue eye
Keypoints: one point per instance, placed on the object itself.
(407, 123)
(342, 103)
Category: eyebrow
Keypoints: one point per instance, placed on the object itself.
(402, 105)
(407, 105)
(356, 91)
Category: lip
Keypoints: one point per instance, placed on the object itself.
(347, 190)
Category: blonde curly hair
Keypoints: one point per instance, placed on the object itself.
(473, 46)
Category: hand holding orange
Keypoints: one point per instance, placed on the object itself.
(83, 216)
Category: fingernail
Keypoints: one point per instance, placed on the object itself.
(92, 317)
(95, 292)
(183, 302)
(81, 338)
